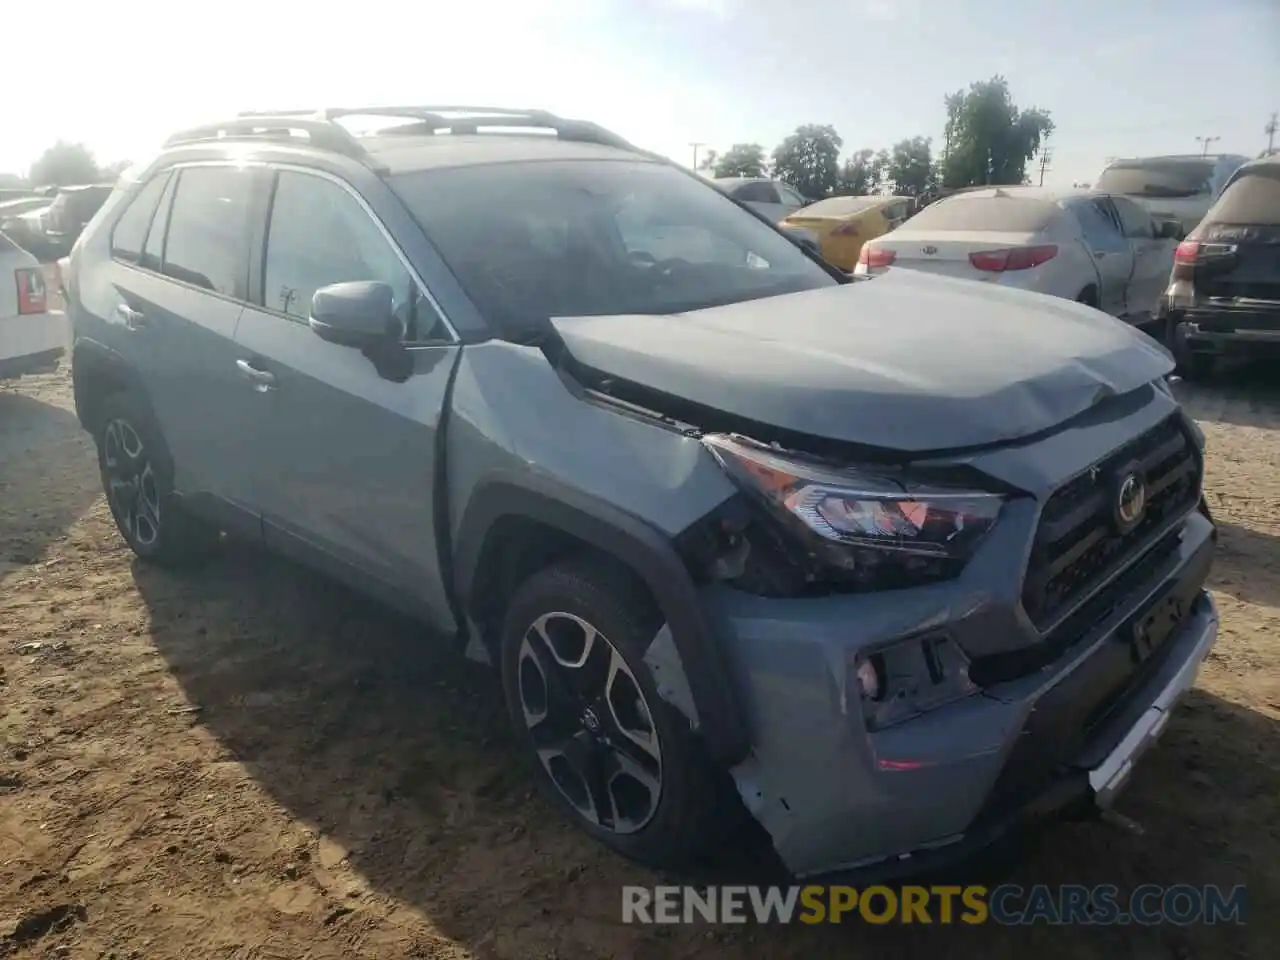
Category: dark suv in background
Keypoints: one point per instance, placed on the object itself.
(70, 212)
(888, 565)
(1224, 292)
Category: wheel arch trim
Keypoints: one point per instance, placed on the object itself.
(648, 553)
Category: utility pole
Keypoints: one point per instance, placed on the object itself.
(1206, 141)
(695, 152)
(1270, 131)
(1046, 155)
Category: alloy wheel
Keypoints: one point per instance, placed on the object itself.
(131, 482)
(590, 722)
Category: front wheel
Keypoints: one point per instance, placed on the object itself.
(618, 761)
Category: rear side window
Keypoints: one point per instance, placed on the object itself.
(130, 233)
(1253, 198)
(1157, 177)
(994, 214)
(206, 245)
(758, 192)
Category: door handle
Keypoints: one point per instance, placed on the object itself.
(133, 319)
(262, 380)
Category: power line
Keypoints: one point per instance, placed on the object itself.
(1046, 156)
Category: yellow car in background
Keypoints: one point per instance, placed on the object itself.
(844, 224)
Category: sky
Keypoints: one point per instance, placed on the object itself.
(1119, 78)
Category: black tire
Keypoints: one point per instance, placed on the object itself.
(1088, 296)
(152, 521)
(1195, 367)
(693, 810)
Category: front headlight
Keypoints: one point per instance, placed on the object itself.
(860, 516)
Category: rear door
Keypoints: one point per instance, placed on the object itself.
(1240, 237)
(1103, 237)
(345, 466)
(1152, 260)
(178, 279)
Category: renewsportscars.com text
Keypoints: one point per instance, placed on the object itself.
(1007, 905)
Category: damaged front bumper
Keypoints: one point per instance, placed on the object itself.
(837, 799)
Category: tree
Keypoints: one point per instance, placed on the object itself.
(858, 176)
(112, 171)
(708, 161)
(809, 160)
(742, 160)
(64, 164)
(988, 139)
(911, 167)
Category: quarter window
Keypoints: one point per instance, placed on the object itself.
(153, 252)
(320, 234)
(206, 242)
(130, 231)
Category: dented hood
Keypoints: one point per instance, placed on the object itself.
(905, 361)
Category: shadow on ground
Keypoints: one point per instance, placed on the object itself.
(1247, 565)
(399, 751)
(47, 477)
(1245, 393)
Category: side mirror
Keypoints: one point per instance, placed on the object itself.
(358, 313)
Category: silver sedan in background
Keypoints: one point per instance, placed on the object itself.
(1088, 246)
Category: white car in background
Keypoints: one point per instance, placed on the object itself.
(1087, 246)
(1178, 188)
(32, 338)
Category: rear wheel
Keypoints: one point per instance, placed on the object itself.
(137, 478)
(611, 755)
(1088, 296)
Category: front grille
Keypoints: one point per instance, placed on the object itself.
(1079, 545)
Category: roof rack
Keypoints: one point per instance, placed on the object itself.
(320, 124)
(322, 132)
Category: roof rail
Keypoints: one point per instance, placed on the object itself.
(464, 119)
(321, 132)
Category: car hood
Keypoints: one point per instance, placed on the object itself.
(905, 361)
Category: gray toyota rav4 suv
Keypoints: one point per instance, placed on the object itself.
(890, 566)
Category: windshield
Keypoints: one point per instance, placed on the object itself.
(529, 241)
(1157, 178)
(993, 214)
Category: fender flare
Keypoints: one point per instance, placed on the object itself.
(646, 551)
(89, 358)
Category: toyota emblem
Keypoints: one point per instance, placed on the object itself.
(1131, 501)
(929, 251)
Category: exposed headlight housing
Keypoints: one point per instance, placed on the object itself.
(857, 518)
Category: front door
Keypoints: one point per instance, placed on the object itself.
(346, 470)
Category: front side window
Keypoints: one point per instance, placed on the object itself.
(320, 234)
(130, 233)
(1135, 221)
(530, 241)
(207, 241)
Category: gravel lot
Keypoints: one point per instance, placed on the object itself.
(245, 762)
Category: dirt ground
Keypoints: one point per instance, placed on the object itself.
(245, 762)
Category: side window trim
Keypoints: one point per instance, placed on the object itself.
(262, 232)
(169, 192)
